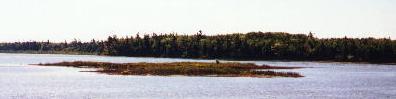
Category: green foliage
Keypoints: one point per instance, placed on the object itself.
(253, 45)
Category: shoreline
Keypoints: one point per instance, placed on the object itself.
(280, 60)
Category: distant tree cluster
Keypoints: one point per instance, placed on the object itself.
(253, 45)
(77, 46)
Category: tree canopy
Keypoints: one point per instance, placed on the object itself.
(253, 45)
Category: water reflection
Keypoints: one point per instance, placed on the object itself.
(325, 80)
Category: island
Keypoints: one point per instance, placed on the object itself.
(226, 69)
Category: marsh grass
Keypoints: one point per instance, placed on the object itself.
(182, 68)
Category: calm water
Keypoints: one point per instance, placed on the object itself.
(325, 80)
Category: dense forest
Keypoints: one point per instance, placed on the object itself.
(253, 45)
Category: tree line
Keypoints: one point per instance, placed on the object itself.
(253, 45)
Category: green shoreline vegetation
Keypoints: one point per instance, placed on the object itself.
(48, 52)
(237, 46)
(182, 68)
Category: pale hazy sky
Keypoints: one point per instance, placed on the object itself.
(58, 20)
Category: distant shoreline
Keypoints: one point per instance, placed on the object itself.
(282, 60)
(47, 52)
(237, 46)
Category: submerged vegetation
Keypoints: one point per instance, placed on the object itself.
(182, 68)
(254, 45)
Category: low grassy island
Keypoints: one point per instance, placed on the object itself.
(182, 68)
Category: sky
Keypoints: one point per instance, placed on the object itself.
(59, 20)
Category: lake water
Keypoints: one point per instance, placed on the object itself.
(18, 79)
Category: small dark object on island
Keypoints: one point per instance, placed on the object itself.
(217, 61)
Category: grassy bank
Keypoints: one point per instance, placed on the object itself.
(182, 68)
